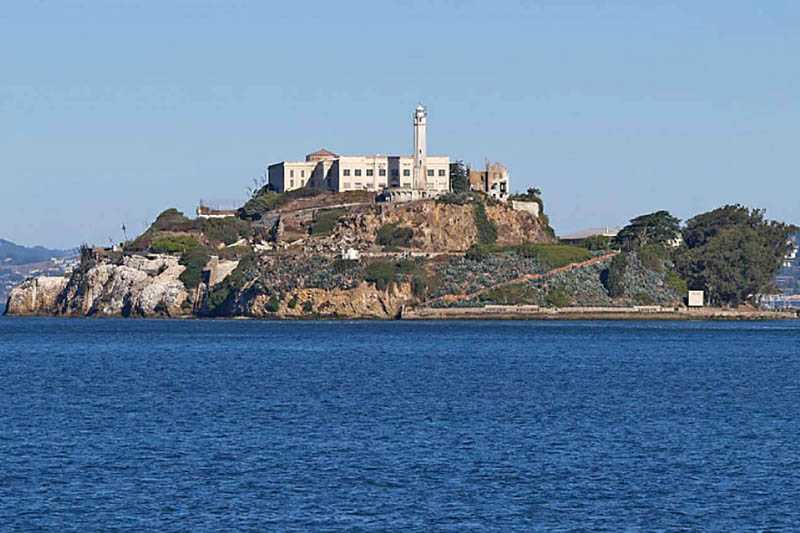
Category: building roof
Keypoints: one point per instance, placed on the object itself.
(585, 234)
(322, 153)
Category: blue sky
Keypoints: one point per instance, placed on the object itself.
(113, 111)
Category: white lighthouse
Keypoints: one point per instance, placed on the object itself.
(420, 148)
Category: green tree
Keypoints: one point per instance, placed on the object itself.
(653, 228)
(459, 177)
(733, 253)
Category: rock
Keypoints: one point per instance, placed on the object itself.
(36, 296)
(139, 286)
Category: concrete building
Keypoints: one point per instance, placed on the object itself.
(493, 180)
(323, 169)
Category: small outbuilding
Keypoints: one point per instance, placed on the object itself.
(696, 299)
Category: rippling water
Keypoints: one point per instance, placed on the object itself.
(316, 426)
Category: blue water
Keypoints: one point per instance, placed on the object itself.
(328, 426)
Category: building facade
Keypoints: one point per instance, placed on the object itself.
(493, 180)
(326, 170)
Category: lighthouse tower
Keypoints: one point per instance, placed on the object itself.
(420, 148)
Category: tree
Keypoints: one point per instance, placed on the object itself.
(733, 253)
(459, 177)
(654, 228)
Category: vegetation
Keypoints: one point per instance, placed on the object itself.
(174, 244)
(513, 294)
(171, 220)
(659, 228)
(384, 273)
(225, 230)
(487, 231)
(597, 243)
(459, 177)
(265, 200)
(533, 194)
(553, 255)
(616, 273)
(653, 257)
(395, 235)
(733, 253)
(195, 260)
(325, 221)
(557, 297)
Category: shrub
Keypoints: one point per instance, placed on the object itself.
(293, 302)
(225, 230)
(308, 306)
(171, 220)
(653, 257)
(514, 294)
(381, 274)
(273, 304)
(554, 255)
(342, 266)
(195, 261)
(557, 297)
(487, 231)
(675, 282)
(393, 235)
(479, 252)
(597, 243)
(616, 274)
(643, 298)
(325, 221)
(172, 244)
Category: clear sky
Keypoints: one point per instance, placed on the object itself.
(112, 111)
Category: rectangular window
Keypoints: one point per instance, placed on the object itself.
(302, 173)
(441, 172)
(358, 172)
(370, 172)
(382, 172)
(291, 173)
(347, 172)
(430, 172)
(291, 184)
(395, 173)
(357, 185)
(406, 172)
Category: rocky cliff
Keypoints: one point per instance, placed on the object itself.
(137, 286)
(442, 227)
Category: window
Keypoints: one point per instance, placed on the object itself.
(430, 172)
(357, 185)
(406, 172)
(382, 172)
(395, 173)
(302, 173)
(370, 172)
(358, 172)
(291, 184)
(291, 173)
(441, 172)
(347, 172)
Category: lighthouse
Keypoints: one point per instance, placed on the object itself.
(420, 148)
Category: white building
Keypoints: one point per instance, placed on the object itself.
(430, 175)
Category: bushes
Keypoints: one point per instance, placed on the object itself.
(616, 274)
(557, 297)
(195, 261)
(172, 244)
(487, 231)
(515, 294)
(381, 274)
(653, 257)
(273, 304)
(394, 235)
(225, 230)
(325, 221)
(675, 282)
(171, 220)
(554, 255)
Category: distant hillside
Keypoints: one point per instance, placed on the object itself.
(14, 254)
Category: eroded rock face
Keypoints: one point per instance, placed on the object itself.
(440, 227)
(36, 296)
(364, 301)
(139, 286)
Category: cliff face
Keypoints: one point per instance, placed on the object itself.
(139, 286)
(364, 301)
(440, 227)
(36, 296)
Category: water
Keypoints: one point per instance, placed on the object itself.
(325, 426)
